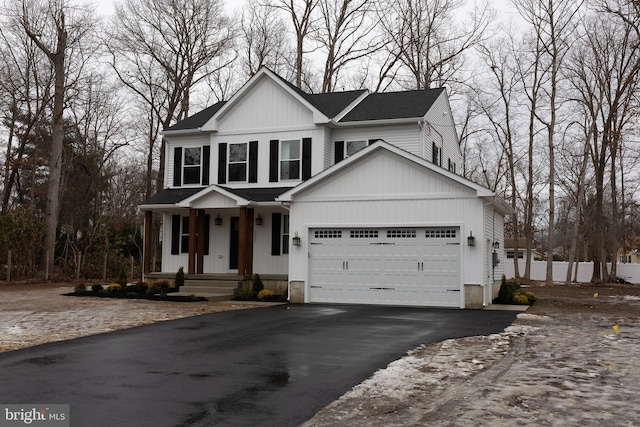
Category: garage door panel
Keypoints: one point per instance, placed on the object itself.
(386, 266)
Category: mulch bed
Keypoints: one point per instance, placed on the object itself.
(152, 297)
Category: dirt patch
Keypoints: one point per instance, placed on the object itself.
(560, 363)
(38, 313)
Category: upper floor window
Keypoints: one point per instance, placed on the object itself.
(191, 165)
(344, 149)
(290, 159)
(352, 147)
(238, 162)
(436, 154)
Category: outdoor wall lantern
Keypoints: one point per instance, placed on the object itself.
(259, 220)
(296, 240)
(496, 245)
(471, 241)
(218, 220)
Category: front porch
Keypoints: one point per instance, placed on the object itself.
(221, 287)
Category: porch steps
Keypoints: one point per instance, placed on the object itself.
(211, 289)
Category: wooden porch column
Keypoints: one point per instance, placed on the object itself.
(147, 243)
(200, 244)
(193, 218)
(245, 242)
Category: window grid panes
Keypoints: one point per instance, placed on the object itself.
(238, 162)
(401, 234)
(192, 162)
(441, 233)
(290, 159)
(363, 234)
(327, 234)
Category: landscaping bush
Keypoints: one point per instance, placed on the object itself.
(97, 287)
(507, 291)
(265, 295)
(257, 285)
(143, 286)
(122, 278)
(179, 280)
(114, 287)
(243, 295)
(81, 287)
(520, 299)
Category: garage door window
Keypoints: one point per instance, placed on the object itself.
(441, 233)
(327, 234)
(401, 234)
(363, 234)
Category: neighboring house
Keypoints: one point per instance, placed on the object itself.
(630, 253)
(510, 252)
(347, 197)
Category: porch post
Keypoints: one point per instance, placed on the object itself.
(200, 245)
(193, 218)
(147, 244)
(245, 244)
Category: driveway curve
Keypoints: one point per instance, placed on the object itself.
(274, 366)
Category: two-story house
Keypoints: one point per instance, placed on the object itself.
(351, 197)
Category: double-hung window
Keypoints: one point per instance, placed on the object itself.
(238, 162)
(290, 159)
(192, 165)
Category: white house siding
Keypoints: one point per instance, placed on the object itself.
(494, 232)
(388, 191)
(439, 116)
(405, 136)
(194, 140)
(317, 153)
(267, 105)
(219, 241)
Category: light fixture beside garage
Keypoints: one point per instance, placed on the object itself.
(259, 220)
(296, 240)
(496, 245)
(218, 220)
(471, 241)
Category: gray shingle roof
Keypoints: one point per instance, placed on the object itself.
(199, 119)
(394, 105)
(267, 194)
(171, 196)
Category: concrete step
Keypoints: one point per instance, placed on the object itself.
(207, 289)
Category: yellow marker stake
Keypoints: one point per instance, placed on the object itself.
(615, 328)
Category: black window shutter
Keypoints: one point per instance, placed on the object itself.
(177, 167)
(222, 163)
(253, 161)
(338, 155)
(206, 164)
(207, 232)
(273, 161)
(176, 227)
(306, 158)
(276, 231)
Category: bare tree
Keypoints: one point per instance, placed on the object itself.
(46, 24)
(303, 21)
(163, 49)
(423, 35)
(265, 44)
(346, 34)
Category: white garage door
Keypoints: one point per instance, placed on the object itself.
(403, 266)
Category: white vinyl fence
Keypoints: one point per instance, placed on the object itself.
(628, 272)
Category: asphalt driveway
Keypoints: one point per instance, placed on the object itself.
(273, 366)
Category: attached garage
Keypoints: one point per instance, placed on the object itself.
(387, 227)
(400, 266)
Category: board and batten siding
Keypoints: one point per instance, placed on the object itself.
(493, 232)
(181, 141)
(405, 136)
(439, 116)
(266, 106)
(219, 245)
(264, 138)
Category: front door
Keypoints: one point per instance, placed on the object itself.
(234, 239)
